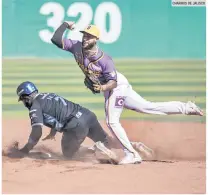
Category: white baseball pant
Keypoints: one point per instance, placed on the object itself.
(123, 96)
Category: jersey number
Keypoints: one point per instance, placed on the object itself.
(55, 97)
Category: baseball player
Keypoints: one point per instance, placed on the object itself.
(101, 76)
(74, 121)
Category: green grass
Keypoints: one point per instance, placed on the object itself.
(155, 81)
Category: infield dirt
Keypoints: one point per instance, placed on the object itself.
(179, 165)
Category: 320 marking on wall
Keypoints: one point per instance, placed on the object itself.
(87, 15)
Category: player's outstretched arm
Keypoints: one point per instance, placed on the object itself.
(57, 37)
(33, 139)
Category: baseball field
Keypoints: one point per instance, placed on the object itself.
(179, 141)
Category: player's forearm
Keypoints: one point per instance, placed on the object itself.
(57, 37)
(53, 132)
(111, 84)
(33, 139)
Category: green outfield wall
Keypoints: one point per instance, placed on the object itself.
(133, 28)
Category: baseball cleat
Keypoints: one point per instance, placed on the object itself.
(192, 109)
(130, 158)
(143, 149)
(103, 154)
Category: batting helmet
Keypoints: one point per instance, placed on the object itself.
(92, 30)
(26, 88)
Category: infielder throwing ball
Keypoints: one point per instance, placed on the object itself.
(101, 76)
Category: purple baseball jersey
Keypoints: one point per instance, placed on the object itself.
(99, 67)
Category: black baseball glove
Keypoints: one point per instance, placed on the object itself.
(91, 85)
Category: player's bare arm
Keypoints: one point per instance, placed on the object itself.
(51, 135)
(34, 137)
(111, 84)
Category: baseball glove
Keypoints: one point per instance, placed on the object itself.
(90, 85)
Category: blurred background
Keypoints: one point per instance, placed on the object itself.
(159, 48)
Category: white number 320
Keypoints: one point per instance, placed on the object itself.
(103, 9)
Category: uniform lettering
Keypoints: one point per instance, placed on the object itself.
(57, 98)
(119, 102)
